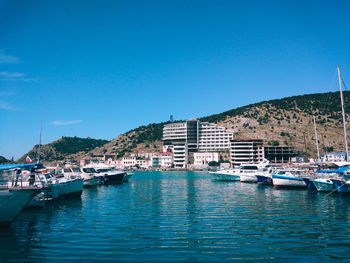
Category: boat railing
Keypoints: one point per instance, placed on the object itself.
(12, 179)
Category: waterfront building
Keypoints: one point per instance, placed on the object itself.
(191, 136)
(246, 151)
(204, 158)
(333, 157)
(136, 161)
(162, 160)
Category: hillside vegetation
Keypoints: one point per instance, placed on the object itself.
(63, 148)
(286, 121)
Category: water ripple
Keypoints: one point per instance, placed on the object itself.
(178, 216)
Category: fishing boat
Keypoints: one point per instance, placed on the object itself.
(289, 178)
(225, 175)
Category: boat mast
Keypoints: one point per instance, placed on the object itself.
(316, 139)
(343, 113)
(39, 148)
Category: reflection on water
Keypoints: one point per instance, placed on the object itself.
(178, 216)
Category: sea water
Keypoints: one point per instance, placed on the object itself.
(183, 217)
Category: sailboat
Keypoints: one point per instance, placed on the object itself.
(342, 185)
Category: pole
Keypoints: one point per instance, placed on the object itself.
(316, 139)
(343, 113)
(39, 148)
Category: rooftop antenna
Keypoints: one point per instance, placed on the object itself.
(343, 113)
(316, 138)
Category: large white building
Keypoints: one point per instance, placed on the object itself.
(195, 136)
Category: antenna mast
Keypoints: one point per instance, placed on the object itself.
(343, 113)
(39, 148)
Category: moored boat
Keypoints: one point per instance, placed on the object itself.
(108, 174)
(289, 178)
(225, 175)
(323, 185)
(341, 185)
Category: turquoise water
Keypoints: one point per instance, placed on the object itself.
(183, 216)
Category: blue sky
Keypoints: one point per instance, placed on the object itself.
(101, 68)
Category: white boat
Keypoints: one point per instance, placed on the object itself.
(15, 193)
(13, 200)
(225, 175)
(60, 187)
(289, 178)
(90, 177)
(248, 172)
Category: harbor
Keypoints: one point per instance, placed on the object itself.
(174, 131)
(183, 216)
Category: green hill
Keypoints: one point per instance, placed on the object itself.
(63, 147)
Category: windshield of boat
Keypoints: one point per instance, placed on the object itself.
(89, 170)
(76, 169)
(67, 170)
(103, 170)
(249, 167)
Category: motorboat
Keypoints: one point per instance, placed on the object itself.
(14, 196)
(248, 172)
(57, 186)
(225, 175)
(90, 177)
(289, 178)
(108, 174)
(324, 184)
(265, 176)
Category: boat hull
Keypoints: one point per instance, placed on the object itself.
(341, 186)
(13, 201)
(324, 185)
(225, 177)
(248, 178)
(309, 184)
(69, 188)
(288, 182)
(266, 180)
(116, 178)
(94, 181)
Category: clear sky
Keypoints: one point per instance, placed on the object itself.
(100, 68)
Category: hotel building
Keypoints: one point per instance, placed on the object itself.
(193, 136)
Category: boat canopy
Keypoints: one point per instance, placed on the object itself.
(338, 170)
(4, 167)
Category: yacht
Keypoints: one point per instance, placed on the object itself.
(108, 174)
